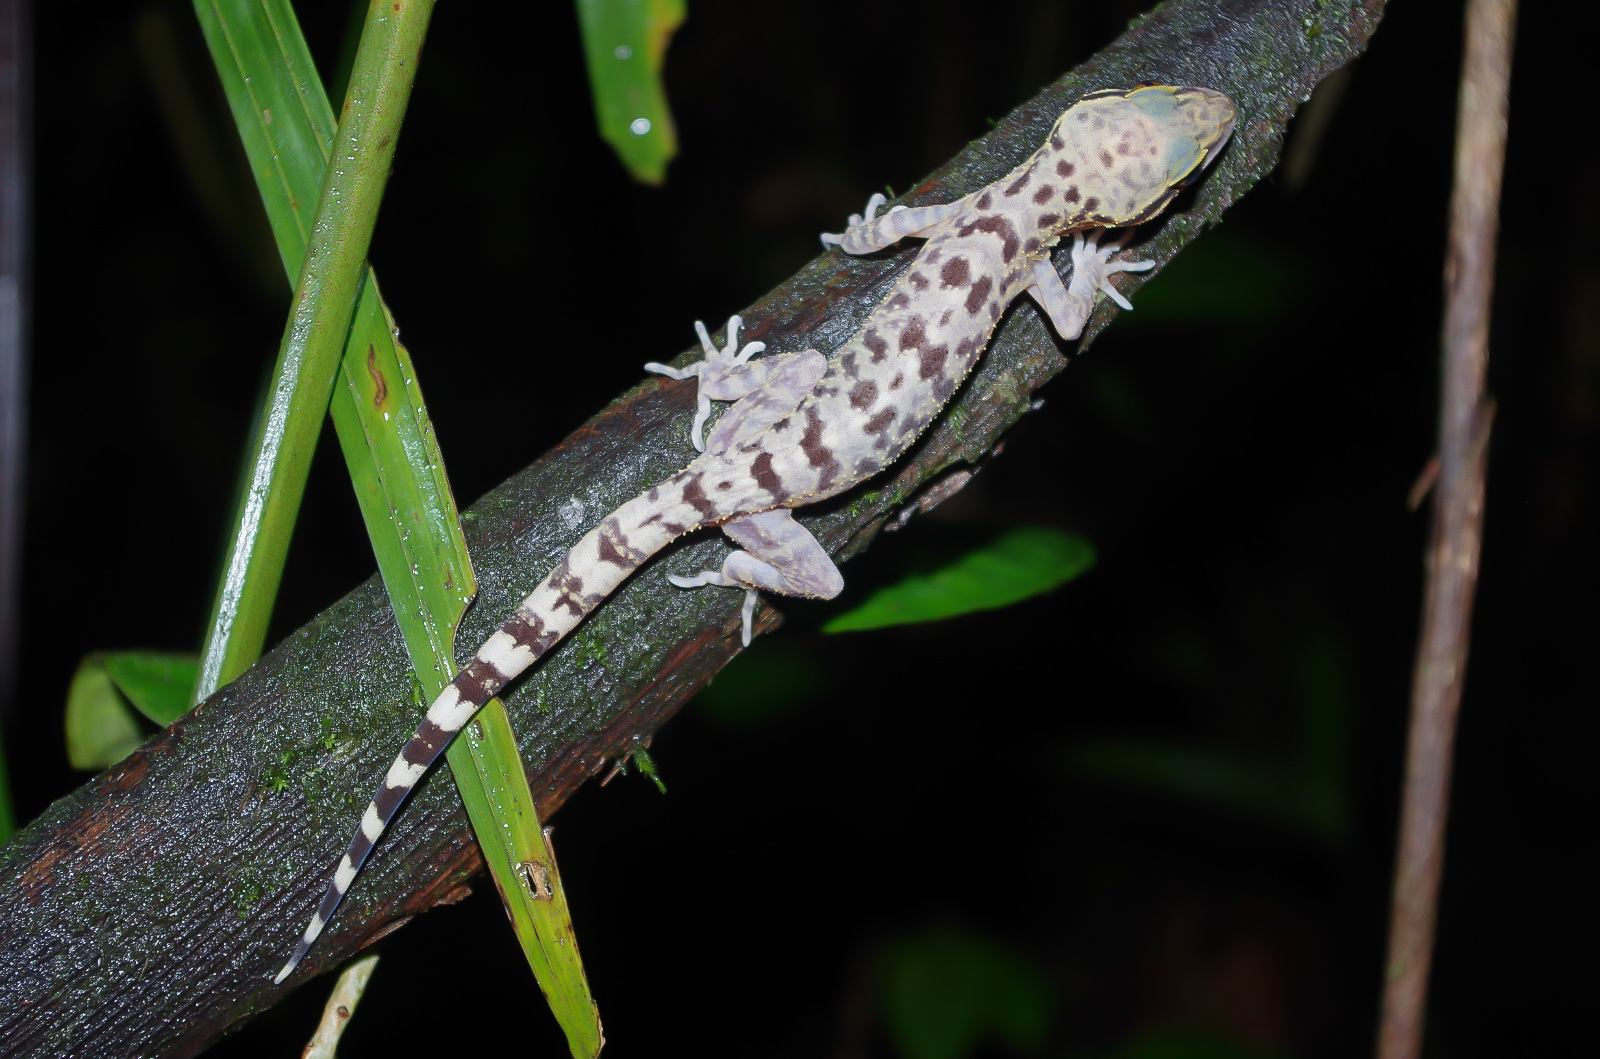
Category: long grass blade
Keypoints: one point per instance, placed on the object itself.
(287, 126)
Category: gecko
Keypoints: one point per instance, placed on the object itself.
(803, 427)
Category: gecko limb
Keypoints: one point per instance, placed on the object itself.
(1068, 307)
(777, 554)
(868, 232)
(723, 375)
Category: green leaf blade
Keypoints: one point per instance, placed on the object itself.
(625, 47)
(159, 684)
(1022, 563)
(109, 693)
(100, 728)
(287, 127)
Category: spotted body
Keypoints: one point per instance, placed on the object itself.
(805, 427)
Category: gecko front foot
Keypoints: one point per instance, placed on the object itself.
(1093, 267)
(713, 373)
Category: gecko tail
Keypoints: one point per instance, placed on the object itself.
(580, 582)
(489, 671)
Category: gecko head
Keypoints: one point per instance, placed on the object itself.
(1145, 143)
(1195, 122)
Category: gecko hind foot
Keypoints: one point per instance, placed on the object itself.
(747, 610)
(858, 220)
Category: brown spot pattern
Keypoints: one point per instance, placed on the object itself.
(614, 547)
(762, 472)
(1064, 169)
(1042, 196)
(478, 682)
(955, 273)
(429, 737)
(380, 386)
(864, 395)
(387, 801)
(915, 334)
(608, 553)
(817, 454)
(996, 225)
(695, 496)
(529, 630)
(978, 294)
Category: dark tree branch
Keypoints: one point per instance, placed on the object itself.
(146, 912)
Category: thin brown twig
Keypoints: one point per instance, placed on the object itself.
(1453, 551)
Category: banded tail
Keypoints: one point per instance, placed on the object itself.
(585, 576)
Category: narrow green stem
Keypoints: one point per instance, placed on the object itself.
(308, 358)
(8, 816)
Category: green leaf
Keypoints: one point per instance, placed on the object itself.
(158, 683)
(647, 765)
(334, 230)
(287, 127)
(111, 690)
(1025, 562)
(625, 46)
(8, 816)
(101, 728)
(946, 991)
